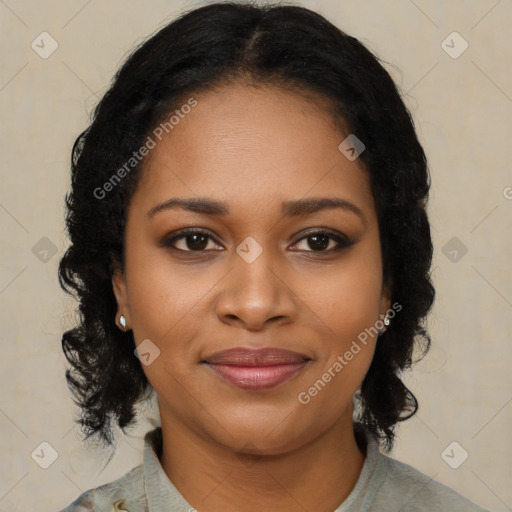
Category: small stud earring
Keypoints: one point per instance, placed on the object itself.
(122, 321)
(387, 320)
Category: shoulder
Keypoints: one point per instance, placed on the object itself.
(127, 493)
(402, 485)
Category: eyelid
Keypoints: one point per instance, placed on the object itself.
(343, 241)
(183, 233)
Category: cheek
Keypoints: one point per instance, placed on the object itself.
(164, 305)
(163, 294)
(347, 297)
(347, 304)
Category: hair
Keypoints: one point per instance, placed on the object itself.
(211, 46)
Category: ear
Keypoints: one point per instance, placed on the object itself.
(385, 298)
(121, 295)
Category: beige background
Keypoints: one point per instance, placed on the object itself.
(463, 110)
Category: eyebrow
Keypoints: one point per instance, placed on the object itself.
(294, 208)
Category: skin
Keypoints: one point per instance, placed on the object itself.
(225, 448)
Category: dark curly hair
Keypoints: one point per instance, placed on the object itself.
(279, 45)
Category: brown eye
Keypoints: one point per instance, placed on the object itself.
(190, 241)
(323, 242)
(318, 242)
(196, 242)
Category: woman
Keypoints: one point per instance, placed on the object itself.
(250, 243)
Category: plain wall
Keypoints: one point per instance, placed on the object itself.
(462, 108)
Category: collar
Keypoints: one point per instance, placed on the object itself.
(161, 493)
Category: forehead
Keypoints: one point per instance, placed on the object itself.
(251, 146)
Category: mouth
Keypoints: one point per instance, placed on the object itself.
(255, 370)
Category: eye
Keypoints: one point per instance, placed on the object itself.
(324, 242)
(191, 241)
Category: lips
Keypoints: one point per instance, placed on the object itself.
(256, 369)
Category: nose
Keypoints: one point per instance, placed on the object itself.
(256, 293)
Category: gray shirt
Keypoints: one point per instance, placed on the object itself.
(384, 484)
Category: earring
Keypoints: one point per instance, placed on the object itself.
(122, 321)
(387, 320)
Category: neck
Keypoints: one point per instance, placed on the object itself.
(317, 476)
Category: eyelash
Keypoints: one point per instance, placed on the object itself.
(342, 241)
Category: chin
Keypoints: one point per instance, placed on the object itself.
(274, 434)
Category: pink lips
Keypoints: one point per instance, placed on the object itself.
(256, 369)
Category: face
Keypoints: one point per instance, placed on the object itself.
(263, 268)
